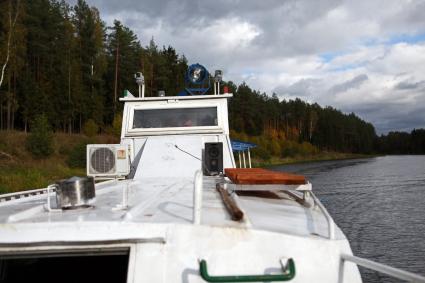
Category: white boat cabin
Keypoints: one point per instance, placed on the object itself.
(166, 135)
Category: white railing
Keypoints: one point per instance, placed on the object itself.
(331, 223)
(388, 270)
(197, 197)
(22, 194)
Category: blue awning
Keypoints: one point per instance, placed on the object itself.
(238, 146)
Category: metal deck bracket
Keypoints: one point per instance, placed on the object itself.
(48, 206)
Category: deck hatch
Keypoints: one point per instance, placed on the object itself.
(71, 265)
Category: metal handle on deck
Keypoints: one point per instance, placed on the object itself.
(288, 274)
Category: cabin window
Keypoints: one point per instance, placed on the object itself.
(82, 267)
(172, 118)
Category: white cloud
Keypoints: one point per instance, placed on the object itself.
(387, 88)
(232, 33)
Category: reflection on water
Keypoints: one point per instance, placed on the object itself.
(379, 203)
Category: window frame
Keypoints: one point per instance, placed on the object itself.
(170, 109)
(130, 131)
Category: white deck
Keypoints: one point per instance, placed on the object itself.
(171, 201)
(159, 221)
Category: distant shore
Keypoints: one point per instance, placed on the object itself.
(20, 171)
(323, 156)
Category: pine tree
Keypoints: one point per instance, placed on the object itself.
(40, 140)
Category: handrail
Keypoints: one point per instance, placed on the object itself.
(197, 197)
(21, 194)
(331, 223)
(288, 274)
(391, 271)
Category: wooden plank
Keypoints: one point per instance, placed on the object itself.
(262, 176)
(269, 187)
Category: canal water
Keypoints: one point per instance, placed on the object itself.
(379, 203)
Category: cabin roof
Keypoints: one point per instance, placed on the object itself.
(167, 98)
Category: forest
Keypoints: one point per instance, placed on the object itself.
(66, 63)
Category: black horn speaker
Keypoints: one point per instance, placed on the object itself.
(213, 158)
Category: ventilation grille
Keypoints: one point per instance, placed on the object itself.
(102, 160)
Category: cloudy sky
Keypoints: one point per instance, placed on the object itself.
(363, 56)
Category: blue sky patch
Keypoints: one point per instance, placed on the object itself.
(406, 38)
(347, 67)
(329, 56)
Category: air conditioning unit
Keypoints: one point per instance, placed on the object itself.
(108, 160)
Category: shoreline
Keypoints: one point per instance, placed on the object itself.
(318, 158)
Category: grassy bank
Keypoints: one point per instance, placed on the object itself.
(273, 148)
(19, 170)
(322, 156)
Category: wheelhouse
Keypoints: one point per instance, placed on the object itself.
(205, 114)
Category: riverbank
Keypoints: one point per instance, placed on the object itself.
(19, 170)
(321, 156)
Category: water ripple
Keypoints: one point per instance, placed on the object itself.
(379, 203)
